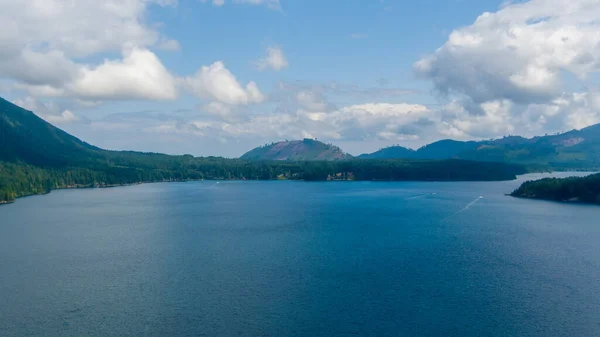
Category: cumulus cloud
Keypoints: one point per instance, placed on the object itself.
(76, 28)
(381, 121)
(140, 74)
(312, 115)
(224, 112)
(52, 111)
(495, 119)
(506, 72)
(356, 122)
(340, 89)
(312, 101)
(215, 82)
(46, 47)
(168, 44)
(65, 117)
(503, 117)
(275, 59)
(363, 122)
(519, 52)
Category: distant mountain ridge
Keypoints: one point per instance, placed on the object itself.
(36, 157)
(577, 149)
(297, 150)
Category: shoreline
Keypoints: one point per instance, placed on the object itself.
(566, 202)
(75, 187)
(575, 189)
(72, 187)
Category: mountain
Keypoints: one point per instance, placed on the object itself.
(446, 148)
(395, 151)
(36, 157)
(28, 138)
(443, 149)
(297, 150)
(577, 149)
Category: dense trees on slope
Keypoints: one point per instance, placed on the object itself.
(26, 137)
(583, 189)
(577, 149)
(18, 179)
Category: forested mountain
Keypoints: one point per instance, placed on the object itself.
(581, 189)
(446, 148)
(36, 157)
(27, 138)
(577, 149)
(443, 149)
(390, 152)
(306, 149)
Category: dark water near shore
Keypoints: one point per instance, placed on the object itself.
(299, 259)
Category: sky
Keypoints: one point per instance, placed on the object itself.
(219, 77)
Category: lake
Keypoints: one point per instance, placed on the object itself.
(289, 258)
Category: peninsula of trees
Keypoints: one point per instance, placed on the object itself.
(573, 189)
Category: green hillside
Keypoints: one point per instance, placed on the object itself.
(26, 137)
(573, 150)
(297, 150)
(579, 189)
(389, 153)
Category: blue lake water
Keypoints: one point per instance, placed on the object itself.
(299, 259)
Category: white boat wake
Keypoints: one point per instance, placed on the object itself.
(419, 196)
(210, 187)
(464, 208)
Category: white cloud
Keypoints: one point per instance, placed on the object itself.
(312, 101)
(217, 83)
(494, 120)
(506, 72)
(37, 68)
(275, 59)
(140, 75)
(503, 117)
(570, 111)
(168, 44)
(225, 112)
(37, 106)
(368, 122)
(65, 117)
(77, 28)
(519, 52)
(46, 47)
(338, 89)
(357, 122)
(51, 111)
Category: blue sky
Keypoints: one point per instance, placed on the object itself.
(193, 76)
(317, 37)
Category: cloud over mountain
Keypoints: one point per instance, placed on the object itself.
(509, 69)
